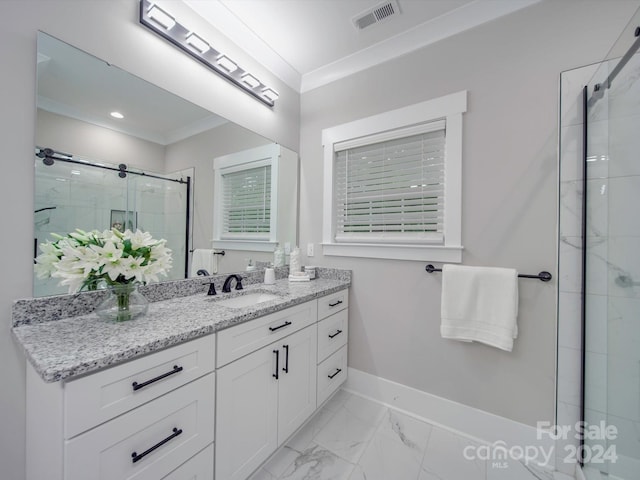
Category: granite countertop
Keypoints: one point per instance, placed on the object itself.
(73, 346)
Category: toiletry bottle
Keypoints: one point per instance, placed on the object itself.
(278, 257)
(269, 276)
(294, 261)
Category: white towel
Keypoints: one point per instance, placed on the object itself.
(203, 258)
(480, 304)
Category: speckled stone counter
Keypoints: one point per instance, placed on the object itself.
(65, 347)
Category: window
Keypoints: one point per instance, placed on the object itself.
(245, 199)
(393, 184)
(246, 203)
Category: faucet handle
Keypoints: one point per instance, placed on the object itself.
(212, 288)
(239, 279)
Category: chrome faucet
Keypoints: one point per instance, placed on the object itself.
(226, 288)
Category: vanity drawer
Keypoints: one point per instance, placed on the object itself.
(199, 467)
(331, 374)
(96, 398)
(149, 442)
(238, 341)
(332, 303)
(332, 334)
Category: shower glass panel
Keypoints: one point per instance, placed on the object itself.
(85, 196)
(612, 294)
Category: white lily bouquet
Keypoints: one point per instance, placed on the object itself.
(92, 260)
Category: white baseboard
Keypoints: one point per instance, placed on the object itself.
(476, 424)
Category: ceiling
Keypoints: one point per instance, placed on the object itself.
(308, 43)
(78, 85)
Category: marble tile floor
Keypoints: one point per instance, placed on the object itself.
(354, 438)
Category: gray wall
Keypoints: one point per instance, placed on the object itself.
(108, 30)
(511, 69)
(98, 144)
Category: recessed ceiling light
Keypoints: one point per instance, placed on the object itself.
(117, 115)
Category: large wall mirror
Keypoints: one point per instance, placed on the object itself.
(152, 168)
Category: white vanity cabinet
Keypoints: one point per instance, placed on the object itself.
(265, 395)
(333, 331)
(248, 387)
(273, 373)
(146, 419)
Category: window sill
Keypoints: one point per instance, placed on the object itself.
(422, 253)
(247, 245)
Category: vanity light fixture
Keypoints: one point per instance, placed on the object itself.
(270, 94)
(226, 63)
(196, 42)
(250, 80)
(162, 23)
(161, 17)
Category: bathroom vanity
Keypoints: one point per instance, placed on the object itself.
(195, 380)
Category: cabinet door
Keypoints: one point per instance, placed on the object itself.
(246, 422)
(297, 380)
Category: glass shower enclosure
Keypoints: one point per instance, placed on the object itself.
(599, 262)
(75, 193)
(612, 267)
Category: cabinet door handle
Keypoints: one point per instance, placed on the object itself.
(137, 386)
(338, 332)
(135, 457)
(277, 352)
(286, 359)
(338, 370)
(285, 324)
(336, 303)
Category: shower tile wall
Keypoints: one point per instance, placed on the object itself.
(612, 357)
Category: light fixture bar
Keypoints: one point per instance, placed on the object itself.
(163, 24)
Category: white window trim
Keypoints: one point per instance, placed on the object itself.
(450, 107)
(247, 159)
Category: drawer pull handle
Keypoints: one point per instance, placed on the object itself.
(137, 386)
(338, 370)
(336, 303)
(135, 457)
(285, 324)
(286, 359)
(277, 352)
(338, 332)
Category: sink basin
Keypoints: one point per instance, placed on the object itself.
(247, 300)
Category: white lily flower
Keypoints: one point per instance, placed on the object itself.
(83, 259)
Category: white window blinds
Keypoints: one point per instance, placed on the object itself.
(246, 208)
(391, 190)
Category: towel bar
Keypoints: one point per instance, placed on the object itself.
(543, 276)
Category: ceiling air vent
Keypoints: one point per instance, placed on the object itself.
(377, 14)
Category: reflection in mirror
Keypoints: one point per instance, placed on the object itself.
(74, 193)
(162, 140)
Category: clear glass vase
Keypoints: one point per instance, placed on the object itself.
(123, 302)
